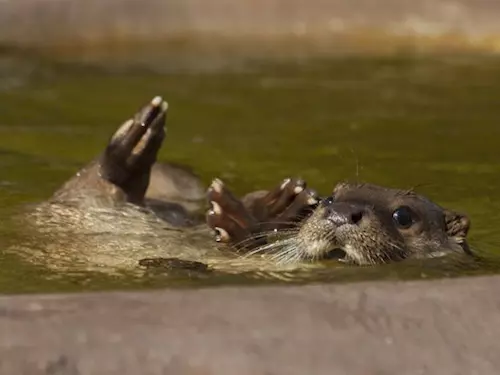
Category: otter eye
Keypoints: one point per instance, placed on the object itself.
(328, 201)
(403, 217)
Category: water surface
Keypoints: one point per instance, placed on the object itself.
(426, 123)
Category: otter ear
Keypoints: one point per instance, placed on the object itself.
(457, 225)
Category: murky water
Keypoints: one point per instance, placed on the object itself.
(433, 124)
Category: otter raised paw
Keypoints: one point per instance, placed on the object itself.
(246, 223)
(132, 150)
(127, 172)
(122, 171)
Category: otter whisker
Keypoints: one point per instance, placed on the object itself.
(275, 221)
(292, 229)
(290, 254)
(260, 235)
(269, 246)
(283, 251)
(384, 256)
(285, 222)
(285, 258)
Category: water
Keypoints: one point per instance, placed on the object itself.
(427, 123)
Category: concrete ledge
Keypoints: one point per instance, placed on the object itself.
(466, 24)
(428, 327)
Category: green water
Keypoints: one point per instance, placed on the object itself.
(433, 124)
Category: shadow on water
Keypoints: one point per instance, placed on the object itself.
(429, 123)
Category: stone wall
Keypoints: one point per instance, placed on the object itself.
(357, 23)
(443, 327)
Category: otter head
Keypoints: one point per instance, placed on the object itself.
(368, 224)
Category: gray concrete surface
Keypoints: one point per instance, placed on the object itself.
(358, 22)
(427, 327)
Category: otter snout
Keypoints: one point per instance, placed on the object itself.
(324, 232)
(342, 213)
(351, 231)
(319, 234)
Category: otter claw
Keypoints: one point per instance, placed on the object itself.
(157, 100)
(313, 197)
(285, 182)
(227, 216)
(217, 185)
(216, 208)
(298, 189)
(221, 235)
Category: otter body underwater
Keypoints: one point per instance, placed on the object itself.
(124, 209)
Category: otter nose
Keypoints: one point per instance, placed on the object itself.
(340, 213)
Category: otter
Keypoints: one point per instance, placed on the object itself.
(124, 209)
(362, 224)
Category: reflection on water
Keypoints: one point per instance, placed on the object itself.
(431, 124)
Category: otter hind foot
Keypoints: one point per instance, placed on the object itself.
(244, 223)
